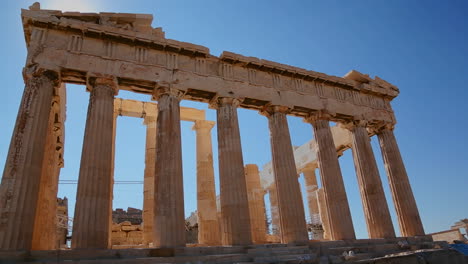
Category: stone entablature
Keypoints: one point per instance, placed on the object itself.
(82, 45)
(139, 109)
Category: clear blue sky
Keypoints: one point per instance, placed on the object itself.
(420, 46)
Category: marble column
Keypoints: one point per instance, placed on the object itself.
(208, 225)
(402, 194)
(339, 215)
(45, 228)
(235, 219)
(94, 195)
(378, 220)
(169, 219)
(311, 193)
(323, 214)
(19, 189)
(275, 221)
(291, 207)
(111, 182)
(148, 182)
(255, 195)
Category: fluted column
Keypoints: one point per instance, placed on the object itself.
(111, 190)
(233, 192)
(255, 195)
(339, 216)
(310, 180)
(311, 192)
(94, 195)
(45, 228)
(275, 222)
(323, 210)
(378, 220)
(148, 182)
(402, 194)
(21, 178)
(291, 207)
(208, 226)
(169, 220)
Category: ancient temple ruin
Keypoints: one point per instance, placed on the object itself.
(109, 52)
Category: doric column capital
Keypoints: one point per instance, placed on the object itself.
(319, 115)
(352, 124)
(109, 82)
(33, 71)
(377, 128)
(271, 109)
(160, 91)
(216, 102)
(203, 125)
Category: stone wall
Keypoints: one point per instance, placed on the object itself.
(132, 215)
(126, 233)
(127, 228)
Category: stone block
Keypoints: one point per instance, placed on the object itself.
(324, 260)
(135, 234)
(118, 234)
(161, 252)
(386, 248)
(126, 223)
(335, 259)
(129, 228)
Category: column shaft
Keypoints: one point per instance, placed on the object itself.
(311, 188)
(111, 182)
(169, 220)
(339, 216)
(291, 208)
(148, 182)
(208, 226)
(402, 194)
(323, 208)
(255, 195)
(45, 228)
(21, 178)
(378, 220)
(233, 195)
(93, 200)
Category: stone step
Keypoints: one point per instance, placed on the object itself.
(278, 249)
(273, 245)
(273, 254)
(359, 256)
(90, 254)
(202, 251)
(211, 259)
(377, 248)
(385, 248)
(300, 258)
(338, 251)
